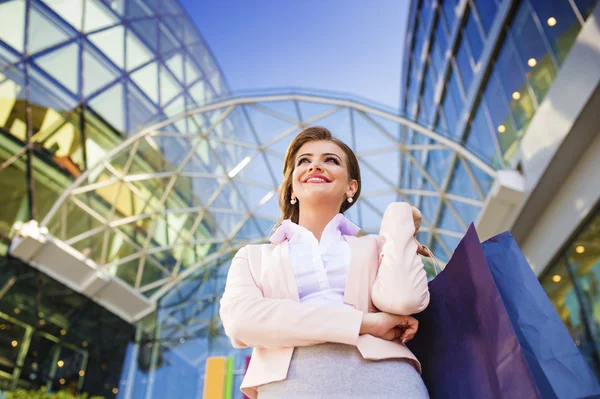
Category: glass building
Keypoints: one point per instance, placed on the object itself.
(130, 174)
(77, 77)
(516, 82)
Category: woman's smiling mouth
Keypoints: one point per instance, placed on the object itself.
(317, 179)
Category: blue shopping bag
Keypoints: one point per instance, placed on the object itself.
(554, 360)
(482, 338)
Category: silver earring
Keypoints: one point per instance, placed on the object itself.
(350, 200)
(293, 201)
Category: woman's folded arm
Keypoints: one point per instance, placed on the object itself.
(251, 320)
(401, 283)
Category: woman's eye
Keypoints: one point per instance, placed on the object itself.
(332, 159)
(302, 160)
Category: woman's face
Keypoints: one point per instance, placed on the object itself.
(321, 174)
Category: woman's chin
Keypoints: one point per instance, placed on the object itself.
(319, 199)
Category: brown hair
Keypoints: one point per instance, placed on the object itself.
(313, 133)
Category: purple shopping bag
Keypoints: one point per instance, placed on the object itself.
(466, 343)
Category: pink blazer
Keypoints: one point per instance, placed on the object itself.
(260, 307)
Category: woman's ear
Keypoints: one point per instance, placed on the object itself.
(352, 188)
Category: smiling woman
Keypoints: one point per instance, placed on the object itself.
(315, 151)
(328, 313)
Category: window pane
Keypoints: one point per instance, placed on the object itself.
(455, 91)
(487, 12)
(44, 31)
(578, 302)
(426, 12)
(515, 85)
(418, 48)
(463, 59)
(451, 114)
(436, 58)
(112, 43)
(12, 103)
(449, 8)
(533, 51)
(441, 38)
(479, 138)
(63, 65)
(474, 37)
(562, 293)
(12, 21)
(13, 195)
(560, 25)
(500, 115)
(586, 7)
(428, 94)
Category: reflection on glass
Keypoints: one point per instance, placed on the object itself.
(586, 7)
(500, 115)
(562, 27)
(449, 9)
(463, 59)
(487, 12)
(533, 52)
(474, 37)
(573, 285)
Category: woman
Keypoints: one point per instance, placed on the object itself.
(328, 313)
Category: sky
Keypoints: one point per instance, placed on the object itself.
(348, 46)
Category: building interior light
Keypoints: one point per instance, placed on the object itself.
(501, 129)
(63, 332)
(42, 322)
(14, 344)
(516, 95)
(532, 62)
(115, 391)
(556, 278)
(60, 363)
(62, 381)
(81, 373)
(551, 21)
(580, 249)
(17, 310)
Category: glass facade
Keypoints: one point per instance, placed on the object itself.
(77, 78)
(573, 284)
(217, 188)
(478, 73)
(495, 61)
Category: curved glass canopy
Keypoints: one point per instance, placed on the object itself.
(177, 199)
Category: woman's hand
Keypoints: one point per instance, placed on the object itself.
(417, 218)
(389, 326)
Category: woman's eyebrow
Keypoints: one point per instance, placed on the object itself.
(325, 154)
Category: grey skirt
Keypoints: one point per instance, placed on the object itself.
(339, 371)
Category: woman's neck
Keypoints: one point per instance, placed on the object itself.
(316, 220)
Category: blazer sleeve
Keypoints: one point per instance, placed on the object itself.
(400, 286)
(251, 320)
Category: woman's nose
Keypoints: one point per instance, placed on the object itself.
(315, 165)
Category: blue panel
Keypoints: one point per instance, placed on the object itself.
(563, 32)
(474, 37)
(463, 59)
(480, 137)
(487, 12)
(449, 9)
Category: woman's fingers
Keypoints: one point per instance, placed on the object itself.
(417, 218)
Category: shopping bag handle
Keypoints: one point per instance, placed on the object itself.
(436, 263)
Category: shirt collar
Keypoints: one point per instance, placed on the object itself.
(288, 228)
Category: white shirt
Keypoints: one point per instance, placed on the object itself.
(320, 267)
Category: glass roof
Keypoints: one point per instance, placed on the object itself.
(171, 204)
